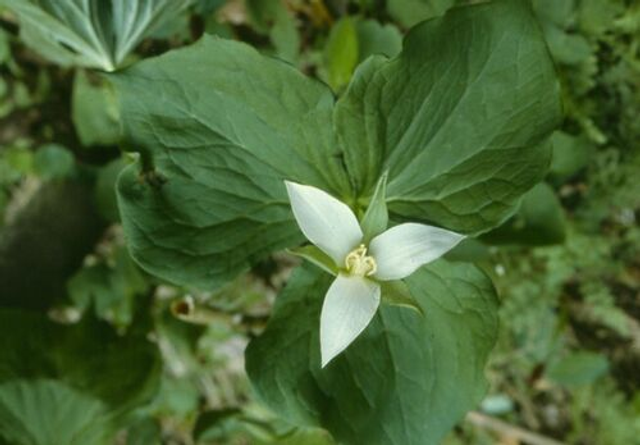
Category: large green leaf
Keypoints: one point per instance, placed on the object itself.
(538, 222)
(48, 412)
(222, 126)
(90, 33)
(458, 118)
(406, 380)
(88, 357)
(410, 12)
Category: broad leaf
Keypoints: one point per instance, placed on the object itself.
(94, 110)
(222, 127)
(406, 380)
(49, 412)
(538, 222)
(53, 162)
(458, 118)
(272, 17)
(90, 33)
(89, 357)
(374, 38)
(410, 12)
(579, 368)
(397, 293)
(571, 155)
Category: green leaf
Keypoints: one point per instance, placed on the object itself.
(53, 161)
(376, 218)
(410, 12)
(397, 293)
(553, 11)
(219, 138)
(109, 288)
(461, 138)
(285, 37)
(305, 437)
(207, 7)
(235, 426)
(374, 38)
(458, 119)
(316, 256)
(406, 380)
(273, 18)
(341, 52)
(105, 193)
(5, 49)
(91, 33)
(568, 49)
(578, 369)
(48, 412)
(68, 385)
(469, 250)
(570, 155)
(597, 16)
(94, 110)
(147, 431)
(216, 424)
(538, 222)
(88, 357)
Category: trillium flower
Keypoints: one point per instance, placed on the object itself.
(361, 267)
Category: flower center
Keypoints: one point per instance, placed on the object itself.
(359, 263)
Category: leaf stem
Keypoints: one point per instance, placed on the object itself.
(507, 431)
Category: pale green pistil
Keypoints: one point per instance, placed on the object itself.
(359, 263)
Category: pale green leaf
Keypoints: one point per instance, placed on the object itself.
(376, 218)
(90, 33)
(94, 110)
(397, 293)
(48, 412)
(317, 257)
(341, 52)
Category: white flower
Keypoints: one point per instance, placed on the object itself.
(354, 296)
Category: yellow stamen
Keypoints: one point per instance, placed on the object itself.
(359, 263)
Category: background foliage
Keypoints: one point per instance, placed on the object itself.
(121, 356)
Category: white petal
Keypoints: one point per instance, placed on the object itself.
(350, 304)
(325, 221)
(402, 249)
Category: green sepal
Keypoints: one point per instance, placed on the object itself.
(317, 257)
(397, 293)
(376, 217)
